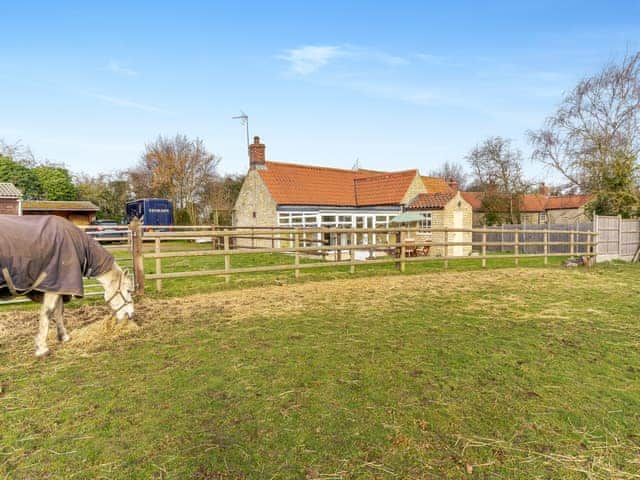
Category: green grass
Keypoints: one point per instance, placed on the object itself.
(180, 287)
(505, 373)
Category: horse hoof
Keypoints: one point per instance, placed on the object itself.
(64, 338)
(42, 353)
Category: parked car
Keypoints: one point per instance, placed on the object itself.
(106, 229)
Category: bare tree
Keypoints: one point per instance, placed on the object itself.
(18, 152)
(451, 171)
(497, 169)
(596, 125)
(176, 168)
(220, 198)
(110, 192)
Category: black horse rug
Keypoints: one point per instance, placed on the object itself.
(47, 254)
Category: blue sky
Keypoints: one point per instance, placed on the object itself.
(396, 85)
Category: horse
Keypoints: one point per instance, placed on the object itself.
(45, 258)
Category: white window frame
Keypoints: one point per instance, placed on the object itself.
(428, 220)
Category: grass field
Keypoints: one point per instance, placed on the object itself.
(501, 373)
(179, 287)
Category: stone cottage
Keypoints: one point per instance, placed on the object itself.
(295, 195)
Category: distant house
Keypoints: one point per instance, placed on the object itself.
(287, 194)
(537, 208)
(10, 199)
(78, 212)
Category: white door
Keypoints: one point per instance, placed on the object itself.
(458, 222)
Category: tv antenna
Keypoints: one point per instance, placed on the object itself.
(244, 121)
(356, 165)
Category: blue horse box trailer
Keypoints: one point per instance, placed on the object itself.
(151, 211)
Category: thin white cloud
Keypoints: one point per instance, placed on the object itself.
(123, 102)
(308, 59)
(115, 67)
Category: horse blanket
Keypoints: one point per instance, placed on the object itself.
(43, 253)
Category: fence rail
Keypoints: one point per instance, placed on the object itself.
(398, 246)
(347, 246)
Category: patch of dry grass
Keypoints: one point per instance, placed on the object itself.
(518, 373)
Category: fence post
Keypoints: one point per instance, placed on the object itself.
(227, 257)
(158, 266)
(595, 229)
(296, 258)
(403, 250)
(546, 247)
(502, 238)
(572, 243)
(352, 254)
(516, 245)
(446, 247)
(619, 236)
(484, 246)
(135, 229)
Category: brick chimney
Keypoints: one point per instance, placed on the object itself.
(453, 184)
(257, 157)
(543, 190)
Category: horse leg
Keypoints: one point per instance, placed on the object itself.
(63, 336)
(46, 312)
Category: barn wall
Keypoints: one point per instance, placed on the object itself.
(77, 218)
(9, 206)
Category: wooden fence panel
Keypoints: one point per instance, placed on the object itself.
(629, 238)
(531, 238)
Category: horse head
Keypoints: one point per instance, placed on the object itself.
(118, 290)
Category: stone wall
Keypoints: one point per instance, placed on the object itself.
(416, 187)
(254, 207)
(567, 216)
(445, 218)
(530, 218)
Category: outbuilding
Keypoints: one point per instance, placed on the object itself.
(445, 210)
(78, 212)
(10, 199)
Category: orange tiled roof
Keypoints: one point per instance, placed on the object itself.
(474, 199)
(293, 184)
(436, 184)
(383, 189)
(431, 200)
(568, 201)
(532, 203)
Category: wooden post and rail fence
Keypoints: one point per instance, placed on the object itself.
(300, 242)
(606, 238)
